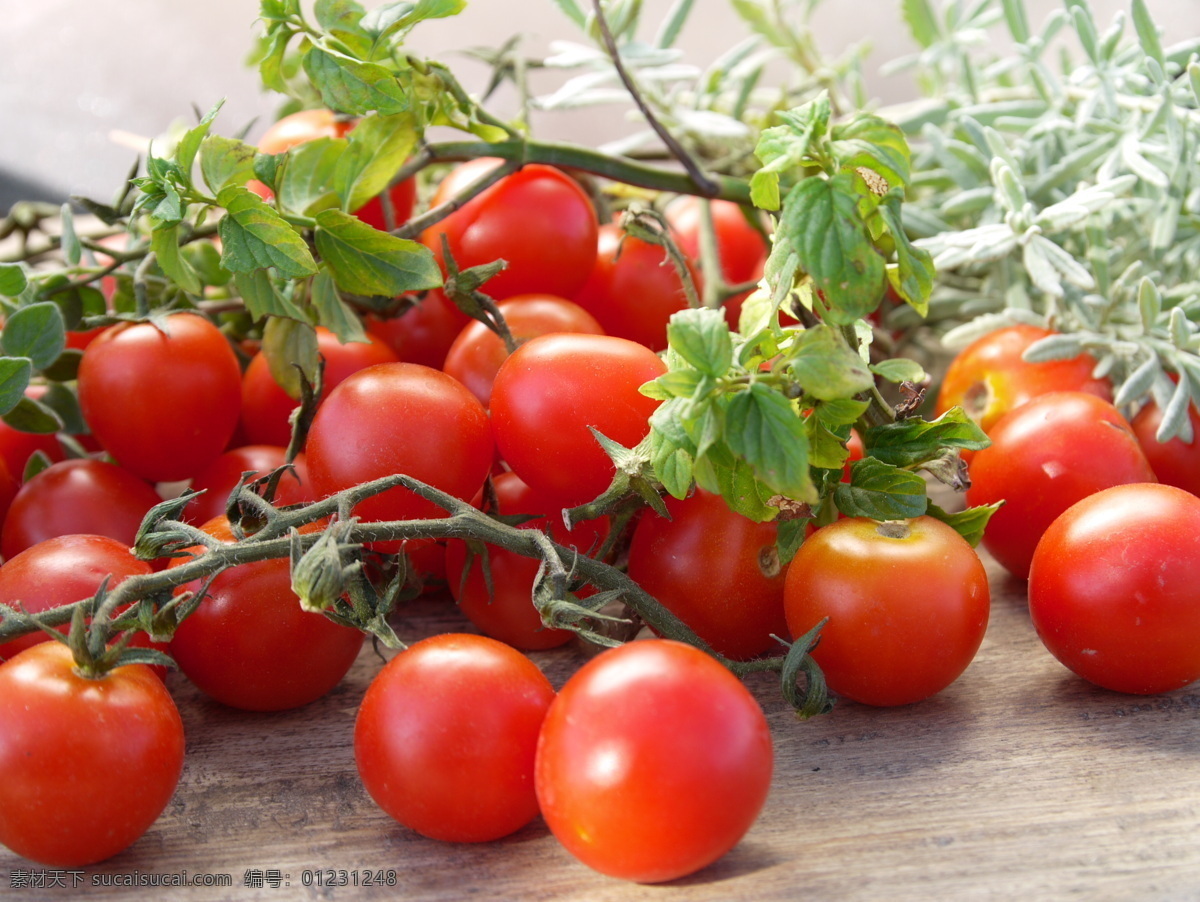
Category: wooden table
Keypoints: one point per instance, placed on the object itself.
(1019, 781)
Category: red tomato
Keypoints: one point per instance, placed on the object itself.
(16, 447)
(400, 418)
(538, 219)
(9, 486)
(266, 407)
(445, 736)
(551, 390)
(218, 479)
(476, 355)
(653, 761)
(715, 570)
(1114, 588)
(251, 646)
(507, 612)
(88, 764)
(988, 378)
(307, 125)
(1046, 455)
(163, 404)
(77, 496)
(424, 333)
(1175, 462)
(633, 289)
(907, 603)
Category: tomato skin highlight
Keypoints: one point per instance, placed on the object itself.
(653, 761)
(907, 612)
(1114, 588)
(445, 736)
(88, 764)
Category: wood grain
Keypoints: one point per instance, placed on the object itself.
(1018, 781)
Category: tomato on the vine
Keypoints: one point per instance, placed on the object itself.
(89, 763)
(444, 739)
(1114, 588)
(424, 332)
(218, 479)
(907, 602)
(653, 761)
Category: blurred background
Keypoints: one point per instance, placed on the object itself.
(83, 83)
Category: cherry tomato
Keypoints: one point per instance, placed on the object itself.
(1175, 462)
(507, 612)
(1114, 588)
(218, 479)
(251, 646)
(16, 447)
(538, 219)
(164, 404)
(988, 378)
(653, 761)
(907, 603)
(424, 333)
(89, 763)
(266, 407)
(477, 352)
(716, 570)
(633, 288)
(77, 496)
(400, 418)
(1045, 455)
(551, 390)
(445, 736)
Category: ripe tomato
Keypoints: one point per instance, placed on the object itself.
(1175, 462)
(715, 570)
(16, 447)
(77, 496)
(653, 761)
(551, 390)
(1114, 588)
(1045, 455)
(266, 407)
(218, 479)
(445, 736)
(424, 333)
(400, 418)
(164, 404)
(307, 125)
(538, 219)
(88, 764)
(477, 352)
(633, 289)
(507, 612)
(251, 646)
(988, 378)
(907, 603)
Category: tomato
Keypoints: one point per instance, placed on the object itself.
(400, 418)
(551, 390)
(477, 352)
(537, 219)
(16, 447)
(633, 288)
(716, 570)
(988, 378)
(653, 761)
(307, 125)
(266, 408)
(218, 479)
(9, 486)
(1175, 462)
(445, 736)
(507, 612)
(907, 603)
(77, 496)
(251, 646)
(1046, 455)
(423, 333)
(1114, 588)
(88, 764)
(163, 403)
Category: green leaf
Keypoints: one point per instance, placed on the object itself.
(572, 11)
(14, 379)
(1018, 23)
(65, 404)
(672, 465)
(12, 279)
(165, 244)
(899, 369)
(350, 86)
(307, 185)
(36, 332)
(841, 412)
(874, 143)
(270, 65)
(764, 429)
(66, 367)
(1147, 32)
(912, 441)
(397, 19)
(912, 277)
(678, 383)
(969, 523)
(701, 337)
(825, 367)
(189, 144)
(788, 147)
(72, 250)
(921, 20)
(379, 146)
(364, 260)
(339, 16)
(881, 491)
(253, 236)
(205, 259)
(226, 161)
(262, 298)
(28, 415)
(288, 345)
(333, 313)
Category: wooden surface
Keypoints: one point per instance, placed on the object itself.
(1019, 781)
